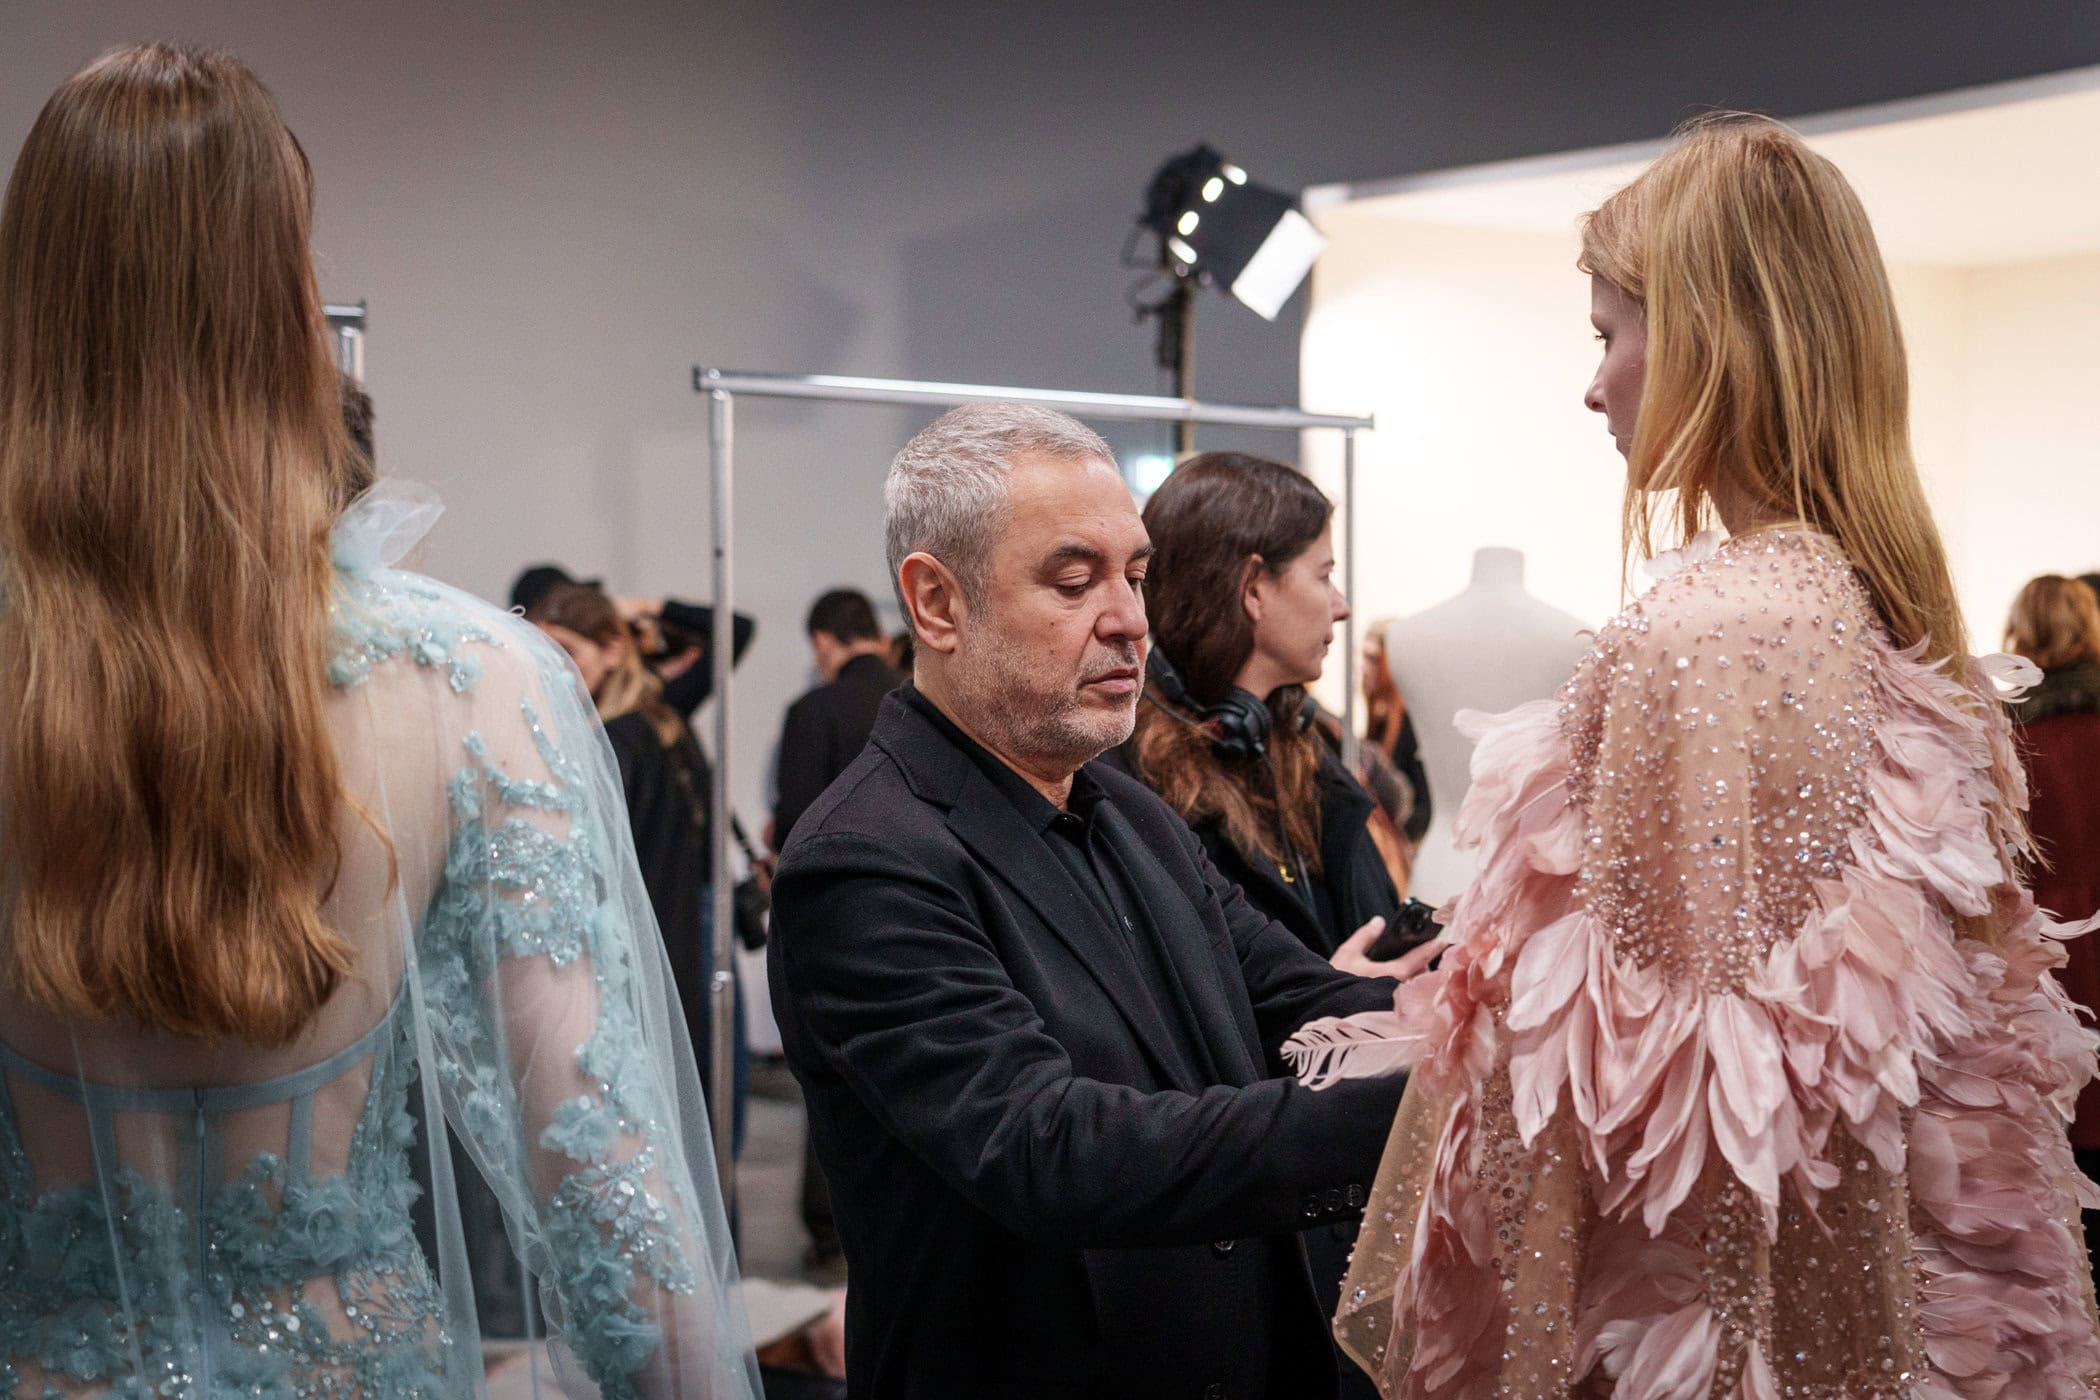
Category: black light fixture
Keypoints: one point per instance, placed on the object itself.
(1217, 228)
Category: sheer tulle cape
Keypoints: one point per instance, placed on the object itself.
(1679, 1126)
(212, 1219)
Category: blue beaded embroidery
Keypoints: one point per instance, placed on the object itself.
(77, 1293)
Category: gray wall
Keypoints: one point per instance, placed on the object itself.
(556, 209)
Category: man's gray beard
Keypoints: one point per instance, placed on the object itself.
(1022, 722)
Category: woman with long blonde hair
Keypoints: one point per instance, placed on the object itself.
(279, 825)
(1743, 1073)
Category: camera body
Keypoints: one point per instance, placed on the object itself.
(1410, 927)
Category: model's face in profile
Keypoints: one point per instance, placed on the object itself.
(1294, 610)
(593, 659)
(1621, 324)
(1053, 660)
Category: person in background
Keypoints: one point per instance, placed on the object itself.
(2055, 623)
(357, 423)
(673, 635)
(1242, 606)
(824, 731)
(666, 778)
(1390, 731)
(828, 726)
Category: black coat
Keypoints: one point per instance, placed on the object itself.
(1033, 1200)
(666, 786)
(824, 731)
(1321, 910)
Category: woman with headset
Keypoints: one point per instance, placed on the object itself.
(1242, 605)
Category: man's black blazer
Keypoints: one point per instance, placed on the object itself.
(1037, 1196)
(824, 731)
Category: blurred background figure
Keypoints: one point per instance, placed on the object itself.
(357, 423)
(672, 635)
(828, 726)
(1390, 730)
(667, 780)
(1388, 761)
(2055, 623)
(824, 731)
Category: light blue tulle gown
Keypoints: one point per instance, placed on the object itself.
(206, 1220)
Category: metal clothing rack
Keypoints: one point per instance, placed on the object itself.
(721, 386)
(346, 322)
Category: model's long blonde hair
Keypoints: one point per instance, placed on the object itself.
(172, 457)
(1776, 379)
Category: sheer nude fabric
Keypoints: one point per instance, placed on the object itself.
(213, 1219)
(1711, 1095)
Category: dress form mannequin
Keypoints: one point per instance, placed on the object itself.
(1491, 648)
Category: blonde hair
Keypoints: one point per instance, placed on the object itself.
(1776, 379)
(2055, 622)
(172, 457)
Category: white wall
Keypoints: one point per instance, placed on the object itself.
(2033, 504)
(1472, 348)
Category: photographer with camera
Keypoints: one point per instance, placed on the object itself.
(1242, 606)
(673, 635)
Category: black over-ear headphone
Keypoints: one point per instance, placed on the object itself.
(1241, 720)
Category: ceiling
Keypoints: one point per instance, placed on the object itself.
(2009, 180)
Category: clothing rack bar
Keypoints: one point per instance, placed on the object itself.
(346, 322)
(1142, 408)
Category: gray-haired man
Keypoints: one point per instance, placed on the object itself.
(1036, 1030)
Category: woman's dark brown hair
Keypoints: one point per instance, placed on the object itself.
(1218, 519)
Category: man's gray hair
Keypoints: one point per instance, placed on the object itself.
(946, 494)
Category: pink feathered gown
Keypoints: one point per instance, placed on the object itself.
(1744, 1074)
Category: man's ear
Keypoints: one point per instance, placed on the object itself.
(934, 600)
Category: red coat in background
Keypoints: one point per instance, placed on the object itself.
(2059, 731)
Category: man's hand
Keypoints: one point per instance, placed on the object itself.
(671, 667)
(827, 1338)
(1353, 956)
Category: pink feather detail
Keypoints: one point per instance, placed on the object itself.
(1871, 1024)
(1366, 1045)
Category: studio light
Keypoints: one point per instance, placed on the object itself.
(1213, 227)
(1222, 230)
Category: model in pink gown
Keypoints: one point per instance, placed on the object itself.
(1744, 1074)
